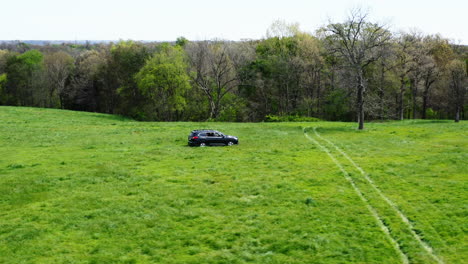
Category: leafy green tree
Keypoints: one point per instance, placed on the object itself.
(126, 60)
(3, 77)
(458, 86)
(279, 68)
(181, 42)
(288, 68)
(164, 81)
(90, 87)
(23, 76)
(435, 72)
(3, 60)
(3, 95)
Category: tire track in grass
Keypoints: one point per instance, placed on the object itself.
(378, 219)
(392, 205)
(428, 203)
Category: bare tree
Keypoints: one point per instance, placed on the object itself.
(385, 65)
(415, 74)
(58, 66)
(282, 29)
(404, 60)
(430, 73)
(215, 71)
(312, 64)
(357, 41)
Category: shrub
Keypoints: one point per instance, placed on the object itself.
(290, 118)
(431, 114)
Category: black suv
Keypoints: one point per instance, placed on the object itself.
(206, 137)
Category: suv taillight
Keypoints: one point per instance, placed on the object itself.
(195, 137)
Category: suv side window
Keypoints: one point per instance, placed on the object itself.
(202, 135)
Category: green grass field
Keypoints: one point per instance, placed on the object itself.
(92, 188)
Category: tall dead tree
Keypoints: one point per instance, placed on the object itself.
(357, 42)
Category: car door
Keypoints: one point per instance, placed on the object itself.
(210, 138)
(218, 138)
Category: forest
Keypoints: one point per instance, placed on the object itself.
(355, 70)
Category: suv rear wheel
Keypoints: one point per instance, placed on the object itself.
(203, 144)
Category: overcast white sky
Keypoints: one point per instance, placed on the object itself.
(207, 19)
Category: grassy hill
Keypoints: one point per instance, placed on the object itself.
(93, 188)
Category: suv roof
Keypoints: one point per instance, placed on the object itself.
(204, 130)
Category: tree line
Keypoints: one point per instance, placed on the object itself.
(351, 71)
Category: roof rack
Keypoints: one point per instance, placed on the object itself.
(203, 130)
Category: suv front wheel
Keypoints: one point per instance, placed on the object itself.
(230, 143)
